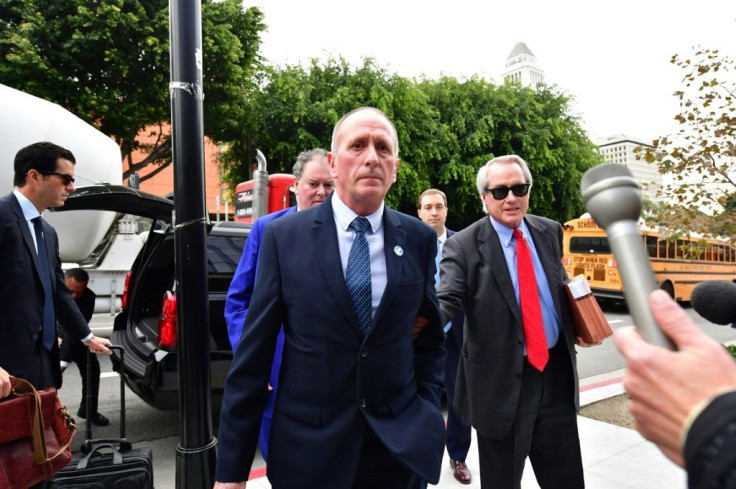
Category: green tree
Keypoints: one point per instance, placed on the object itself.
(447, 130)
(296, 108)
(485, 120)
(108, 62)
(700, 156)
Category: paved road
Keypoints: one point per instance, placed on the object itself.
(605, 358)
(160, 429)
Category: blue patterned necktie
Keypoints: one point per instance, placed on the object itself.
(48, 328)
(358, 274)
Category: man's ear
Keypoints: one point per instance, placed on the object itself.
(396, 170)
(331, 161)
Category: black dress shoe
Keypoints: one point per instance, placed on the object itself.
(97, 418)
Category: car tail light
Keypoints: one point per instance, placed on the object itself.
(167, 323)
(125, 291)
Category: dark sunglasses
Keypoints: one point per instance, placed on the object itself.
(65, 179)
(500, 193)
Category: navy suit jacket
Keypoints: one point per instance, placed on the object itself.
(336, 383)
(476, 279)
(22, 298)
(236, 308)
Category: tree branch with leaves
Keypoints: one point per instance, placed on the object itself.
(700, 157)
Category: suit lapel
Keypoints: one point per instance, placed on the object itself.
(324, 234)
(489, 246)
(394, 238)
(26, 233)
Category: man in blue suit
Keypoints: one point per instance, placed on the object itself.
(313, 183)
(358, 403)
(432, 209)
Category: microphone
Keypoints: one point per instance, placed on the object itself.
(715, 301)
(613, 198)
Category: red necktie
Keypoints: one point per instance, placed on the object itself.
(531, 312)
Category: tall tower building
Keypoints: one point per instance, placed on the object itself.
(620, 149)
(521, 67)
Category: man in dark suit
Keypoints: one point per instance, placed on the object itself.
(33, 293)
(432, 209)
(313, 183)
(358, 399)
(517, 379)
(70, 351)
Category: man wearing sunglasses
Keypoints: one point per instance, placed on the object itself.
(33, 293)
(517, 381)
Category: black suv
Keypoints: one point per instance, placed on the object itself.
(146, 326)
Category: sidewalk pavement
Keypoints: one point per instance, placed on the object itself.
(613, 457)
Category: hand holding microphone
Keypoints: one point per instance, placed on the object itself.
(612, 197)
(667, 389)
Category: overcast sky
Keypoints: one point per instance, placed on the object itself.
(612, 57)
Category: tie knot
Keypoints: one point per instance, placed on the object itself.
(518, 234)
(360, 224)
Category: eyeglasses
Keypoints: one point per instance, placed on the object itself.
(500, 193)
(65, 179)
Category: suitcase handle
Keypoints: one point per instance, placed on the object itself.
(123, 441)
(117, 458)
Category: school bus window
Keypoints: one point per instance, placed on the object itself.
(586, 252)
(589, 244)
(680, 248)
(651, 242)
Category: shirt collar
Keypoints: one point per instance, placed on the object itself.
(442, 237)
(26, 206)
(344, 215)
(505, 233)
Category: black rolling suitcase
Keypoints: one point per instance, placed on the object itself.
(107, 463)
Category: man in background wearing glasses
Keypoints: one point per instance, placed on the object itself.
(33, 293)
(517, 380)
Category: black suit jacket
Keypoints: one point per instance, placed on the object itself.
(86, 305)
(476, 279)
(22, 298)
(334, 382)
(455, 334)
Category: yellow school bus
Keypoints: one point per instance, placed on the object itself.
(679, 264)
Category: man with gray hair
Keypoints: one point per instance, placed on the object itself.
(517, 379)
(312, 184)
(358, 403)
